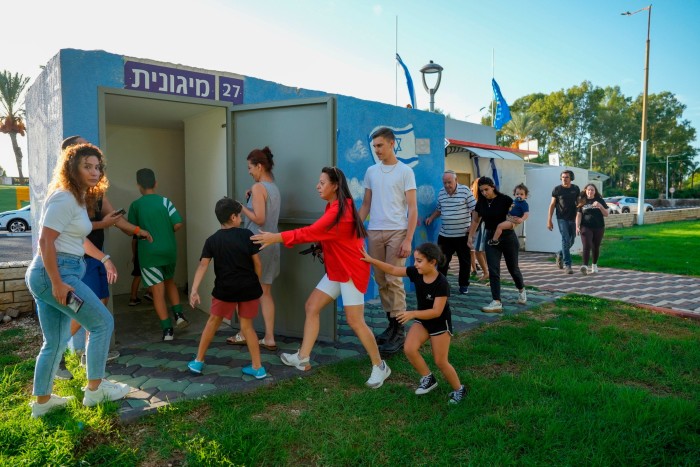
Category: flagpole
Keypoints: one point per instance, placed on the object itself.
(493, 76)
(396, 70)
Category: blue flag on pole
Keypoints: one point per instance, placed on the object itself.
(502, 109)
(409, 81)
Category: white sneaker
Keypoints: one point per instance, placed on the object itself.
(379, 374)
(54, 402)
(494, 307)
(522, 297)
(594, 269)
(107, 391)
(293, 359)
(584, 269)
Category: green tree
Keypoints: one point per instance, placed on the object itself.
(12, 111)
(524, 126)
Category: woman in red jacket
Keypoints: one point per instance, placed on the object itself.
(341, 234)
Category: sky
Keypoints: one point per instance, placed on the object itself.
(348, 46)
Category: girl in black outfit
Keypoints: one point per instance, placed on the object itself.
(590, 224)
(493, 207)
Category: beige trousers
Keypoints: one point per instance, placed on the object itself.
(384, 245)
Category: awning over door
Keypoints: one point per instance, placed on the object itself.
(481, 150)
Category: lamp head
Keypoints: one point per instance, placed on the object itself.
(431, 68)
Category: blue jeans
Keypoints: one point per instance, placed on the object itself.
(568, 235)
(55, 318)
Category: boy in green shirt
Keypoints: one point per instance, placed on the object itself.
(158, 215)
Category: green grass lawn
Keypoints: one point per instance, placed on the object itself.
(669, 248)
(583, 381)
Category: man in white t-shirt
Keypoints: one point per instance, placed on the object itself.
(390, 201)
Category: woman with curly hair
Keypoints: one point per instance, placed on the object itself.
(54, 279)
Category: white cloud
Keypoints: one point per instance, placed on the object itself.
(356, 189)
(377, 10)
(357, 153)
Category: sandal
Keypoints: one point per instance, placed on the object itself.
(265, 346)
(236, 340)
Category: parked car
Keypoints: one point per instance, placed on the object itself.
(629, 204)
(19, 220)
(613, 207)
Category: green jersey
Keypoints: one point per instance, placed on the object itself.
(158, 215)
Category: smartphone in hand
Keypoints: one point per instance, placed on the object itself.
(121, 212)
(74, 302)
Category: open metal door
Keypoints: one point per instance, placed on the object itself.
(301, 135)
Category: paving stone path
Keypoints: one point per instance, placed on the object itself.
(666, 292)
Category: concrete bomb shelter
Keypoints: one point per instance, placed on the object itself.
(194, 128)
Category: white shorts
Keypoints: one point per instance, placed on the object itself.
(351, 296)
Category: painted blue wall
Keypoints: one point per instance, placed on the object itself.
(81, 74)
(357, 119)
(258, 91)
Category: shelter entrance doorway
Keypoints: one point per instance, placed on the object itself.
(185, 142)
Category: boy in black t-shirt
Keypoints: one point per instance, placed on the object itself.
(237, 287)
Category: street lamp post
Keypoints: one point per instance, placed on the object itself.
(667, 158)
(643, 148)
(429, 69)
(592, 146)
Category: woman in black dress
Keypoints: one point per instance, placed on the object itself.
(493, 207)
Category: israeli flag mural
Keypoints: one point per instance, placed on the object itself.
(405, 147)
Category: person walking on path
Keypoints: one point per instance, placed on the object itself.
(590, 225)
(493, 207)
(54, 280)
(455, 205)
(262, 213)
(390, 201)
(433, 319)
(341, 233)
(564, 199)
(237, 268)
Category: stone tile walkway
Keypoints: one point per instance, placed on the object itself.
(666, 292)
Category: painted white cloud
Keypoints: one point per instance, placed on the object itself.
(357, 153)
(356, 189)
(377, 9)
(425, 195)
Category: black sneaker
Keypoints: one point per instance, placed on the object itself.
(386, 334)
(395, 342)
(457, 396)
(427, 384)
(168, 334)
(180, 321)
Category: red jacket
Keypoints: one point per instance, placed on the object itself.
(341, 247)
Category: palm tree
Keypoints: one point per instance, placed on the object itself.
(11, 113)
(522, 127)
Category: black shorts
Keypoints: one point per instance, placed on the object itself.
(437, 326)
